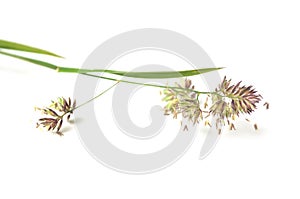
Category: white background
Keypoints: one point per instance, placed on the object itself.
(258, 42)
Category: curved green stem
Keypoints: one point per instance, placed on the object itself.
(96, 96)
(90, 100)
(151, 85)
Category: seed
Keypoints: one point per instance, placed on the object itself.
(267, 105)
(185, 128)
(232, 127)
(255, 127)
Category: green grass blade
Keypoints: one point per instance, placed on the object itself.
(165, 74)
(149, 75)
(20, 47)
(34, 61)
(145, 75)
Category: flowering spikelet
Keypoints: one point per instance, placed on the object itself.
(56, 112)
(172, 102)
(182, 100)
(231, 100)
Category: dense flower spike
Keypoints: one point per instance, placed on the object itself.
(57, 111)
(231, 100)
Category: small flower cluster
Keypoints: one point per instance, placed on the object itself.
(228, 102)
(182, 100)
(55, 114)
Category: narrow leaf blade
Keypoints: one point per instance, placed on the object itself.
(21, 47)
(34, 61)
(165, 74)
(149, 75)
(144, 75)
